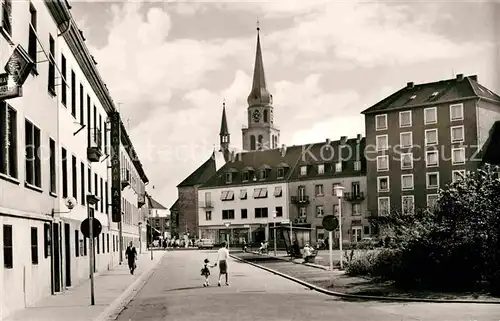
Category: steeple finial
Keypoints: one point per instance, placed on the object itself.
(259, 94)
(258, 25)
(223, 125)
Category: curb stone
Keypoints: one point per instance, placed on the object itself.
(317, 266)
(358, 296)
(115, 308)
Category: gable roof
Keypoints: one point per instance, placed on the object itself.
(201, 174)
(175, 206)
(289, 159)
(152, 203)
(419, 95)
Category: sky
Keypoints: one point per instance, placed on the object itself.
(170, 64)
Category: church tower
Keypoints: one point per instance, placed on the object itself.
(224, 135)
(260, 133)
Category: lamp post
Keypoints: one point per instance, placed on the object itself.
(274, 231)
(92, 200)
(151, 233)
(339, 191)
(226, 224)
(140, 237)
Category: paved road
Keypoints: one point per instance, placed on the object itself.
(175, 292)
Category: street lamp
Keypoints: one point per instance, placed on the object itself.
(274, 230)
(227, 236)
(339, 191)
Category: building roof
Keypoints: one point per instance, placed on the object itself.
(288, 159)
(202, 173)
(154, 204)
(175, 206)
(345, 151)
(427, 94)
(259, 95)
(223, 124)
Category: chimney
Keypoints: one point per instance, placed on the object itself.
(328, 141)
(343, 140)
(358, 138)
(460, 77)
(410, 85)
(283, 150)
(233, 159)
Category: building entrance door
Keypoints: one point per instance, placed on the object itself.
(56, 262)
(67, 253)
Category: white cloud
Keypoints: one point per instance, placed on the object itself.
(332, 129)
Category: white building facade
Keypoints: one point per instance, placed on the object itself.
(249, 209)
(54, 152)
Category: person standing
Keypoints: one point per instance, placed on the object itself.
(131, 255)
(222, 258)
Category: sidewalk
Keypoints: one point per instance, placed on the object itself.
(74, 303)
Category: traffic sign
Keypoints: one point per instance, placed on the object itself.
(330, 223)
(96, 229)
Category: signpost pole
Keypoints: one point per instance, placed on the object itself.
(91, 256)
(330, 249)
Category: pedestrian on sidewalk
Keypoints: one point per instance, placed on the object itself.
(222, 258)
(131, 255)
(205, 271)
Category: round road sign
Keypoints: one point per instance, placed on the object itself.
(96, 230)
(330, 223)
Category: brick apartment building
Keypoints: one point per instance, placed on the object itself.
(423, 137)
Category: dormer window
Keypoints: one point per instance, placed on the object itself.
(227, 196)
(264, 172)
(321, 169)
(281, 172)
(303, 170)
(246, 176)
(229, 178)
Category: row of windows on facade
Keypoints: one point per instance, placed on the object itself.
(264, 173)
(131, 213)
(407, 181)
(407, 203)
(431, 159)
(259, 212)
(457, 135)
(263, 212)
(34, 155)
(430, 117)
(96, 134)
(102, 244)
(278, 192)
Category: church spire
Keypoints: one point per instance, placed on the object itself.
(223, 124)
(224, 134)
(259, 95)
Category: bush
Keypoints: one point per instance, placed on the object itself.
(455, 246)
(361, 265)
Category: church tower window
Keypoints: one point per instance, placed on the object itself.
(266, 116)
(260, 142)
(252, 142)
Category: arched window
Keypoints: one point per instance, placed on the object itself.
(260, 142)
(252, 142)
(272, 141)
(266, 116)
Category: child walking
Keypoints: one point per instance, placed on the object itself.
(205, 271)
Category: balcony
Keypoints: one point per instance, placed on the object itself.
(206, 204)
(94, 152)
(355, 197)
(300, 200)
(125, 178)
(141, 200)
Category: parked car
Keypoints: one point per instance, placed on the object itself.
(205, 244)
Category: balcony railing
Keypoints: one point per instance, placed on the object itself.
(300, 200)
(94, 150)
(352, 197)
(206, 204)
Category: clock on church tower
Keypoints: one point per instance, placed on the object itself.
(256, 116)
